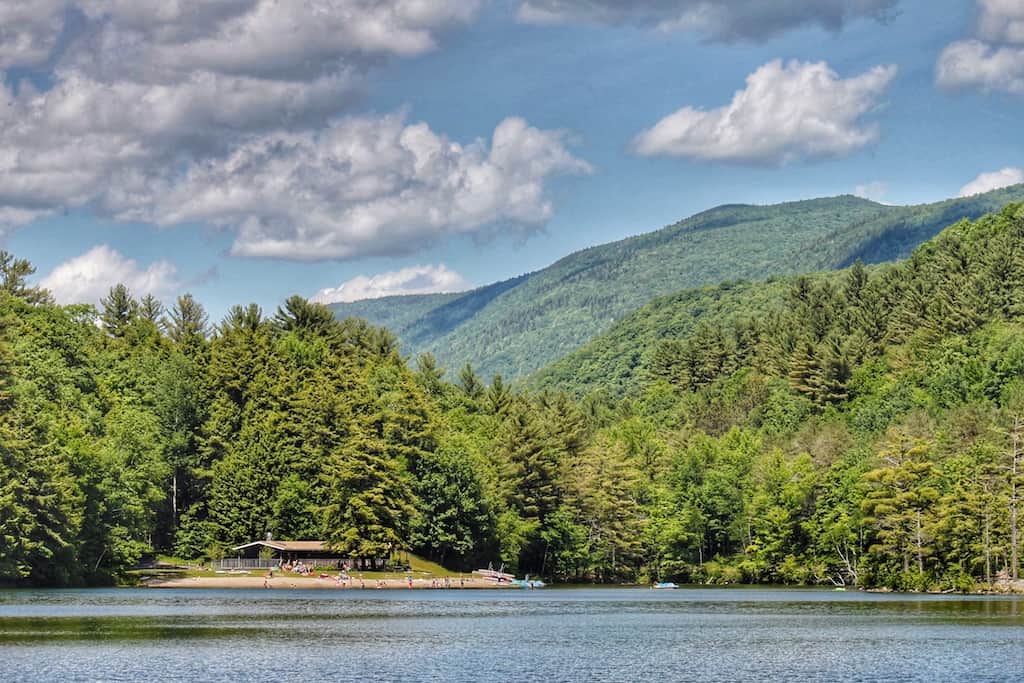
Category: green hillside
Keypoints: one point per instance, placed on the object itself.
(617, 361)
(518, 326)
(855, 427)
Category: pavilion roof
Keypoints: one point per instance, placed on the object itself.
(287, 546)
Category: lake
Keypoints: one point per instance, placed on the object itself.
(617, 634)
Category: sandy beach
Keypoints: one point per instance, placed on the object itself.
(299, 582)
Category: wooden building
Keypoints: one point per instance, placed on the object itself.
(269, 553)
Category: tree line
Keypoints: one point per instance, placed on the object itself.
(867, 431)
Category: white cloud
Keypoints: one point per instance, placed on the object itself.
(1001, 21)
(875, 191)
(796, 111)
(992, 61)
(726, 20)
(973, 64)
(366, 186)
(994, 180)
(29, 30)
(88, 278)
(413, 280)
(150, 97)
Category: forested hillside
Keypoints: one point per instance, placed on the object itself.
(518, 326)
(865, 428)
(618, 362)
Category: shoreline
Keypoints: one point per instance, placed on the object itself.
(302, 583)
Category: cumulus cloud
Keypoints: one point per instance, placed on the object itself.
(29, 30)
(235, 112)
(366, 186)
(725, 20)
(975, 64)
(1001, 21)
(787, 112)
(993, 180)
(87, 278)
(426, 279)
(875, 191)
(991, 61)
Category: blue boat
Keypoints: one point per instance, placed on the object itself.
(528, 583)
(661, 585)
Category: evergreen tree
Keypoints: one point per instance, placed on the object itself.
(298, 314)
(470, 384)
(370, 507)
(429, 375)
(151, 309)
(14, 274)
(497, 398)
(187, 323)
(119, 310)
(899, 508)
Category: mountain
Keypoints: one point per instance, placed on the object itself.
(618, 361)
(519, 325)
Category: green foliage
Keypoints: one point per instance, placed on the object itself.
(858, 427)
(519, 326)
(455, 523)
(370, 505)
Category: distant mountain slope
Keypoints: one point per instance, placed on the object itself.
(615, 361)
(518, 326)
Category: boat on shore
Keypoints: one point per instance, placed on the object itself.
(664, 585)
(499, 576)
(495, 575)
(528, 583)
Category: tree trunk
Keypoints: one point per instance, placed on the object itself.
(1014, 462)
(920, 556)
(174, 500)
(988, 549)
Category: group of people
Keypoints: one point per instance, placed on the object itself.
(343, 580)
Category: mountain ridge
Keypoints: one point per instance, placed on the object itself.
(517, 326)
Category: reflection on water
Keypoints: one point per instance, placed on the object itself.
(551, 635)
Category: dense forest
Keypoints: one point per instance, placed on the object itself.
(864, 426)
(519, 326)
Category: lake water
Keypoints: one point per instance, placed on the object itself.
(621, 635)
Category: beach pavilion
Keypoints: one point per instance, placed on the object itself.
(268, 553)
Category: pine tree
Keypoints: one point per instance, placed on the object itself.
(119, 310)
(470, 383)
(370, 507)
(531, 469)
(14, 274)
(497, 398)
(604, 488)
(39, 499)
(187, 323)
(899, 508)
(429, 375)
(151, 309)
(805, 371)
(299, 314)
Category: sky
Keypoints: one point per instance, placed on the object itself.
(248, 150)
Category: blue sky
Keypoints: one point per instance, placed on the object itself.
(245, 155)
